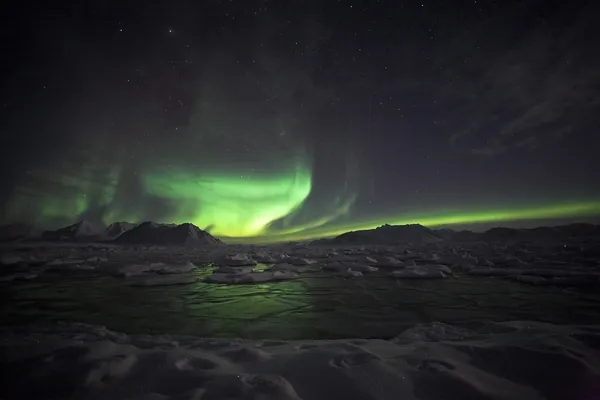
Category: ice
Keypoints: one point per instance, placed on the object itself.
(433, 332)
(534, 280)
(64, 262)
(284, 267)
(363, 268)
(238, 259)
(166, 280)
(173, 268)
(337, 266)
(350, 265)
(489, 271)
(351, 273)
(254, 277)
(10, 259)
(354, 322)
(132, 270)
(298, 261)
(427, 271)
(265, 258)
(22, 276)
(517, 360)
(389, 262)
(232, 270)
(96, 259)
(129, 270)
(368, 260)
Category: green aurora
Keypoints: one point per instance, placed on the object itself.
(257, 208)
(237, 206)
(448, 218)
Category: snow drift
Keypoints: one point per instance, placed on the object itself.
(511, 360)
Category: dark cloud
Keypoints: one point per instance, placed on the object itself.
(541, 85)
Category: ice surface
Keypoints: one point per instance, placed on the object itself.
(166, 280)
(389, 262)
(343, 293)
(232, 270)
(348, 265)
(253, 277)
(423, 272)
(298, 261)
(284, 267)
(10, 259)
(132, 270)
(265, 258)
(238, 259)
(512, 361)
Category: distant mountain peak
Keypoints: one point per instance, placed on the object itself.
(151, 233)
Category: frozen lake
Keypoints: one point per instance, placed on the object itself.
(317, 305)
(430, 323)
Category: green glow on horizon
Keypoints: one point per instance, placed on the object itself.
(236, 206)
(260, 208)
(448, 218)
(79, 191)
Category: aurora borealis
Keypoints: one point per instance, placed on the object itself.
(263, 123)
(232, 205)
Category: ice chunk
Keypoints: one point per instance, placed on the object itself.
(298, 261)
(238, 259)
(233, 270)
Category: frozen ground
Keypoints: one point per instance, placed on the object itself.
(438, 321)
(517, 360)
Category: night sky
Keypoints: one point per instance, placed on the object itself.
(285, 120)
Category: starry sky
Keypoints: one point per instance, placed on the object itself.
(280, 120)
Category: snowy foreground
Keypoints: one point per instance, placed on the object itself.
(514, 360)
(301, 306)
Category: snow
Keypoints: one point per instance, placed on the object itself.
(351, 273)
(238, 259)
(265, 258)
(349, 265)
(389, 262)
(129, 270)
(436, 340)
(298, 261)
(510, 360)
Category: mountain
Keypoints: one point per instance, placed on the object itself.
(418, 234)
(116, 229)
(153, 234)
(82, 230)
(501, 234)
(542, 233)
(389, 235)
